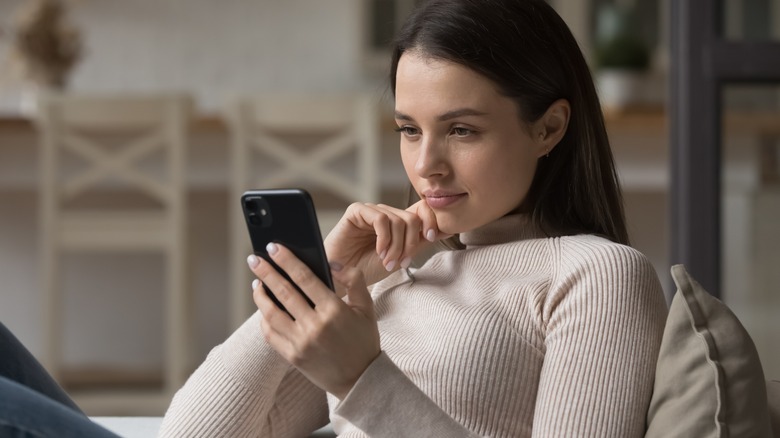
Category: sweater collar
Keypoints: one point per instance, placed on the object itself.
(509, 228)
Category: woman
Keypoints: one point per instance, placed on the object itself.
(539, 321)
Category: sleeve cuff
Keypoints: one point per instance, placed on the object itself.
(384, 402)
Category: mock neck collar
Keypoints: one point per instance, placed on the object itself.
(509, 228)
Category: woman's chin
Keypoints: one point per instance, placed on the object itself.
(450, 227)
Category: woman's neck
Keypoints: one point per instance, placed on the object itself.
(509, 228)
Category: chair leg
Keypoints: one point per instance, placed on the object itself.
(177, 323)
(52, 312)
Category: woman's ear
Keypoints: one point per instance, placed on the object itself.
(551, 127)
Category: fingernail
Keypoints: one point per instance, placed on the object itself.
(390, 265)
(406, 262)
(271, 248)
(252, 261)
(335, 266)
(430, 235)
(255, 283)
(383, 254)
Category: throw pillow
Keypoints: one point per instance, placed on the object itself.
(708, 380)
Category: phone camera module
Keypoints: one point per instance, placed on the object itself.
(258, 211)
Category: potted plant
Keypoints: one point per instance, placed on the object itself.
(44, 49)
(622, 57)
(46, 45)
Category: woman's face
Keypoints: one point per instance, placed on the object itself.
(465, 148)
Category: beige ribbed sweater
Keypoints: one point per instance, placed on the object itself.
(517, 335)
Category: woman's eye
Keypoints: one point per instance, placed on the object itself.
(461, 132)
(407, 130)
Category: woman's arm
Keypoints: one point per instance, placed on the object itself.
(245, 389)
(604, 317)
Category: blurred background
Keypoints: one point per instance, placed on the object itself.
(122, 328)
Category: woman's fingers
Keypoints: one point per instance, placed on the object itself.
(379, 238)
(284, 291)
(390, 226)
(406, 237)
(273, 316)
(428, 218)
(430, 228)
(300, 274)
(383, 228)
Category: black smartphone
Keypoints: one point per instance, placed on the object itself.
(286, 216)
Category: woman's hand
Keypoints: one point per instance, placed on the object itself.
(378, 239)
(332, 343)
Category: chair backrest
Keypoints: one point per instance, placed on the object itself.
(127, 152)
(93, 142)
(307, 141)
(326, 144)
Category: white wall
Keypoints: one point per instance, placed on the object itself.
(215, 47)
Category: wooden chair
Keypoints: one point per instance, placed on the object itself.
(327, 144)
(129, 145)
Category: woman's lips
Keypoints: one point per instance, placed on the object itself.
(443, 200)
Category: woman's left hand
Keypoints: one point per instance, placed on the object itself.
(331, 344)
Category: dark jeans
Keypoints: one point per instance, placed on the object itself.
(32, 404)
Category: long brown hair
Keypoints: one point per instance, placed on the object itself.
(529, 52)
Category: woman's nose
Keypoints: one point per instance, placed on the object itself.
(431, 160)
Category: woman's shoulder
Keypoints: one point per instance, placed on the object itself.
(589, 264)
(582, 244)
(597, 252)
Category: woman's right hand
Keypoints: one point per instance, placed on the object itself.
(378, 239)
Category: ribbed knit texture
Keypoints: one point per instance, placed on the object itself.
(517, 335)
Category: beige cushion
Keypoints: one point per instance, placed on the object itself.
(708, 381)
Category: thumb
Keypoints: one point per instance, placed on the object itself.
(354, 284)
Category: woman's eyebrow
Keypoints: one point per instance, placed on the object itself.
(460, 113)
(446, 116)
(402, 116)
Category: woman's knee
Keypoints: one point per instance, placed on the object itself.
(28, 413)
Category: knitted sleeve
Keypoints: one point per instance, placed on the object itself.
(384, 402)
(245, 389)
(604, 318)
